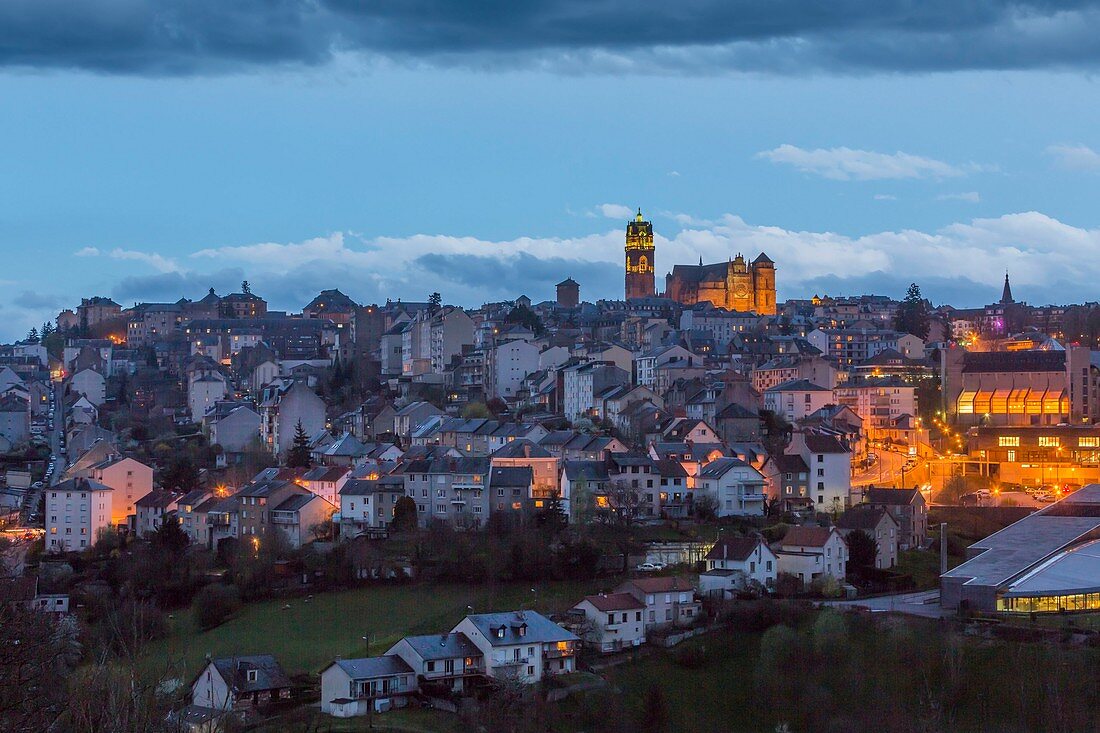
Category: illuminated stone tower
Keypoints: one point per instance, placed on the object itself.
(639, 258)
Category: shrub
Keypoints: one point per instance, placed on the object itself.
(214, 605)
(692, 657)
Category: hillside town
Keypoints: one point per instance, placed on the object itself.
(673, 453)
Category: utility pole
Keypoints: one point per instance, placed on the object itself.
(943, 547)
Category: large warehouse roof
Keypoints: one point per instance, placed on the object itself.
(1020, 547)
(1074, 571)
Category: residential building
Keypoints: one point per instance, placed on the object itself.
(668, 600)
(240, 683)
(908, 508)
(522, 645)
(90, 384)
(153, 508)
(191, 513)
(77, 510)
(581, 383)
(879, 403)
(795, 400)
(830, 464)
(353, 687)
(736, 487)
(283, 406)
(876, 523)
(861, 341)
(450, 661)
(366, 505)
(810, 553)
(611, 622)
(449, 490)
(738, 564)
(300, 516)
(794, 368)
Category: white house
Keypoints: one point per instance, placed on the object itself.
(809, 553)
(612, 621)
(76, 511)
(521, 644)
(240, 683)
(350, 687)
(508, 364)
(738, 563)
(203, 392)
(91, 384)
(737, 487)
(366, 505)
(830, 464)
(448, 660)
(284, 405)
(796, 400)
(296, 516)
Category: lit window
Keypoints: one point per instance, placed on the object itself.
(1048, 441)
(1009, 441)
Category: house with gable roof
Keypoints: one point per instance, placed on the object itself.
(809, 553)
(610, 622)
(736, 563)
(522, 645)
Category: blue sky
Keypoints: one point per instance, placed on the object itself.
(485, 170)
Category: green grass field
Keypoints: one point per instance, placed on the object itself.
(309, 634)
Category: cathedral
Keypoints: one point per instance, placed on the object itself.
(736, 284)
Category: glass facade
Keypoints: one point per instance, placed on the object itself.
(1070, 603)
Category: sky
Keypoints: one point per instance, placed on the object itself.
(153, 149)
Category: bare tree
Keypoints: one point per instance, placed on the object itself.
(38, 655)
(624, 501)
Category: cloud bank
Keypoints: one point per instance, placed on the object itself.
(158, 37)
(1049, 260)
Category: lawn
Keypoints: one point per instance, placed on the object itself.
(719, 696)
(311, 633)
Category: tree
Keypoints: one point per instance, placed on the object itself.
(435, 300)
(913, 316)
(552, 516)
(215, 604)
(862, 549)
(170, 536)
(953, 490)
(705, 507)
(404, 515)
(524, 316)
(180, 475)
(298, 455)
(32, 335)
(476, 410)
(654, 711)
(246, 288)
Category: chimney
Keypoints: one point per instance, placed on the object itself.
(526, 450)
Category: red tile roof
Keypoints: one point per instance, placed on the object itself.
(806, 537)
(614, 602)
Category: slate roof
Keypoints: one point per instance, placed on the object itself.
(733, 548)
(512, 476)
(521, 448)
(442, 646)
(890, 497)
(369, 667)
(817, 443)
(269, 675)
(863, 517)
(540, 630)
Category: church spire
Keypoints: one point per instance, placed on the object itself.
(1006, 294)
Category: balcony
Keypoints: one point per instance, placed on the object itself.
(284, 517)
(511, 661)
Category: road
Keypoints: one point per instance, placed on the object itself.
(887, 471)
(56, 439)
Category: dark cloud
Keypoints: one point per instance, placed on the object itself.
(523, 273)
(171, 286)
(34, 300)
(210, 36)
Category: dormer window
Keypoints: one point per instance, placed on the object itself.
(252, 675)
(523, 629)
(500, 632)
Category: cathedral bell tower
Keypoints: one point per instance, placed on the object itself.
(639, 258)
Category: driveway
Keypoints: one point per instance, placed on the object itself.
(921, 603)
